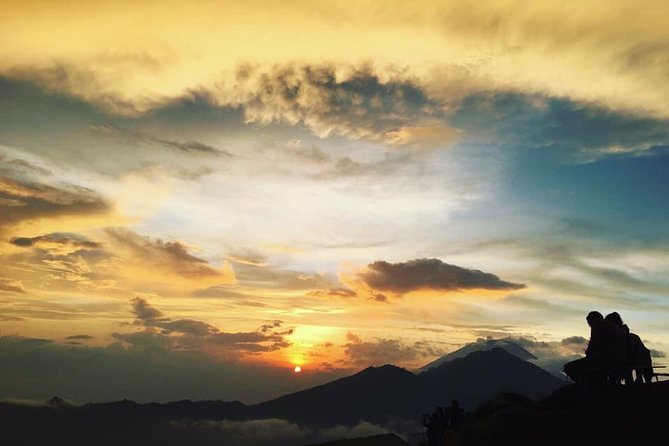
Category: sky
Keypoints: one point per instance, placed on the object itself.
(196, 197)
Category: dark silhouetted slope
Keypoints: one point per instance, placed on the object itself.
(373, 440)
(483, 374)
(375, 394)
(625, 416)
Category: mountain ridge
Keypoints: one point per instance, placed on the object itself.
(481, 345)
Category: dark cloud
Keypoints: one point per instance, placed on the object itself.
(362, 353)
(574, 340)
(333, 292)
(167, 333)
(187, 326)
(72, 240)
(151, 317)
(170, 255)
(26, 198)
(79, 337)
(143, 311)
(270, 326)
(359, 104)
(430, 274)
(142, 138)
(378, 297)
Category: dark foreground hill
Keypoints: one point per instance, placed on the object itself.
(372, 440)
(625, 416)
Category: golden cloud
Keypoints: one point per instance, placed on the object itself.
(133, 56)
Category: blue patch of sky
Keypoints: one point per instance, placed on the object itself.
(554, 167)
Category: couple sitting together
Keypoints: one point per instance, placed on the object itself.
(612, 351)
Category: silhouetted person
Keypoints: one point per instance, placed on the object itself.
(457, 416)
(638, 356)
(436, 425)
(443, 425)
(606, 352)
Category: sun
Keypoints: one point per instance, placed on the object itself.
(297, 369)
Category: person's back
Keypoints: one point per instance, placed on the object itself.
(608, 344)
(639, 358)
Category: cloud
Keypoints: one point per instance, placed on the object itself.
(117, 263)
(274, 431)
(603, 268)
(381, 351)
(248, 257)
(70, 242)
(11, 286)
(657, 353)
(80, 337)
(27, 194)
(574, 340)
(60, 261)
(143, 138)
(265, 276)
(552, 355)
(143, 311)
(11, 166)
(358, 104)
(170, 257)
(334, 292)
(431, 274)
(166, 333)
(572, 132)
(616, 53)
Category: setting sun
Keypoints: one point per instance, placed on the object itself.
(297, 369)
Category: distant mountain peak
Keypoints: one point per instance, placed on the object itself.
(482, 345)
(385, 369)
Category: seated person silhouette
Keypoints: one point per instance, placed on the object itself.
(606, 352)
(638, 356)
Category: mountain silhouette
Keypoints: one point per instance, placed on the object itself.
(483, 374)
(386, 395)
(375, 394)
(379, 394)
(481, 345)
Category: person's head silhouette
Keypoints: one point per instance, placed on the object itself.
(615, 318)
(594, 316)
